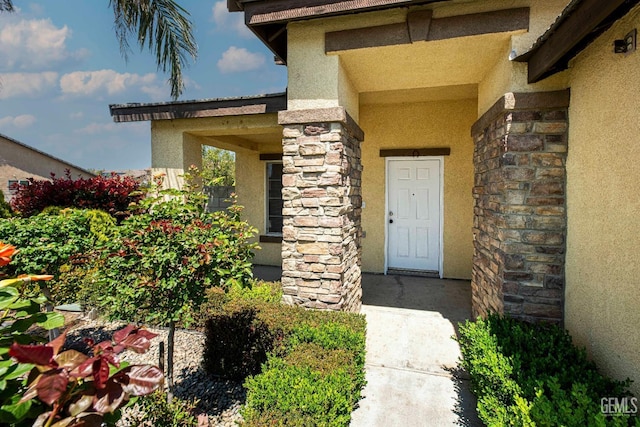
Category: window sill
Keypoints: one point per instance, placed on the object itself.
(271, 238)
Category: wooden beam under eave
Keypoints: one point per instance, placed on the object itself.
(232, 143)
(497, 21)
(419, 23)
(550, 56)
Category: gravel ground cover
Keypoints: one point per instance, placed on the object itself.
(219, 399)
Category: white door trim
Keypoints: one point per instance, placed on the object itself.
(440, 160)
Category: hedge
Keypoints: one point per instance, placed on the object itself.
(527, 374)
(301, 367)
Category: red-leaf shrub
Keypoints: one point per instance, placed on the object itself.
(111, 194)
(75, 385)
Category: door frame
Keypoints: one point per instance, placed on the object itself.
(440, 160)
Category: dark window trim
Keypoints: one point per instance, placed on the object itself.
(271, 156)
(270, 238)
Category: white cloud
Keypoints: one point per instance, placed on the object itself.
(101, 128)
(237, 59)
(109, 81)
(29, 44)
(98, 128)
(26, 84)
(156, 92)
(76, 115)
(225, 20)
(21, 121)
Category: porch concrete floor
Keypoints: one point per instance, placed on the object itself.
(411, 366)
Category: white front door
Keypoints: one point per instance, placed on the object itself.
(413, 217)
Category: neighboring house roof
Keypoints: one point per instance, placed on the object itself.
(45, 154)
(214, 107)
(268, 19)
(581, 22)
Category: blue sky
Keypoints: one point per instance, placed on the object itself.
(60, 68)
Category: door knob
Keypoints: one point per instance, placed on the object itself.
(390, 221)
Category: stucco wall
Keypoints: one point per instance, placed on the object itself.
(510, 76)
(317, 80)
(251, 187)
(603, 256)
(18, 162)
(416, 125)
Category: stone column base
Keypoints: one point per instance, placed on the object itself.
(321, 181)
(520, 208)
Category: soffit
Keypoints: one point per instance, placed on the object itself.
(430, 64)
(257, 139)
(425, 94)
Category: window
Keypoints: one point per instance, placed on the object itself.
(14, 182)
(274, 198)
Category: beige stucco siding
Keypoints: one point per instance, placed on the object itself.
(510, 76)
(603, 178)
(177, 144)
(251, 190)
(18, 162)
(418, 125)
(318, 80)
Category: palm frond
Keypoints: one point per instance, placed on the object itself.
(6, 6)
(163, 27)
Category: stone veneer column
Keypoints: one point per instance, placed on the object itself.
(321, 232)
(520, 210)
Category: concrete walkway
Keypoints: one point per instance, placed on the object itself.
(411, 359)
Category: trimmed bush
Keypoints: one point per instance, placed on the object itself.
(291, 393)
(314, 369)
(111, 194)
(532, 375)
(237, 344)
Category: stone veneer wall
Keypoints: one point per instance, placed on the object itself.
(520, 208)
(322, 208)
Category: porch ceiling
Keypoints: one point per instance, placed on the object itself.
(427, 94)
(261, 140)
(455, 62)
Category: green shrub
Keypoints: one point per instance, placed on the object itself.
(314, 370)
(57, 244)
(532, 375)
(155, 411)
(291, 394)
(258, 291)
(236, 344)
(5, 207)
